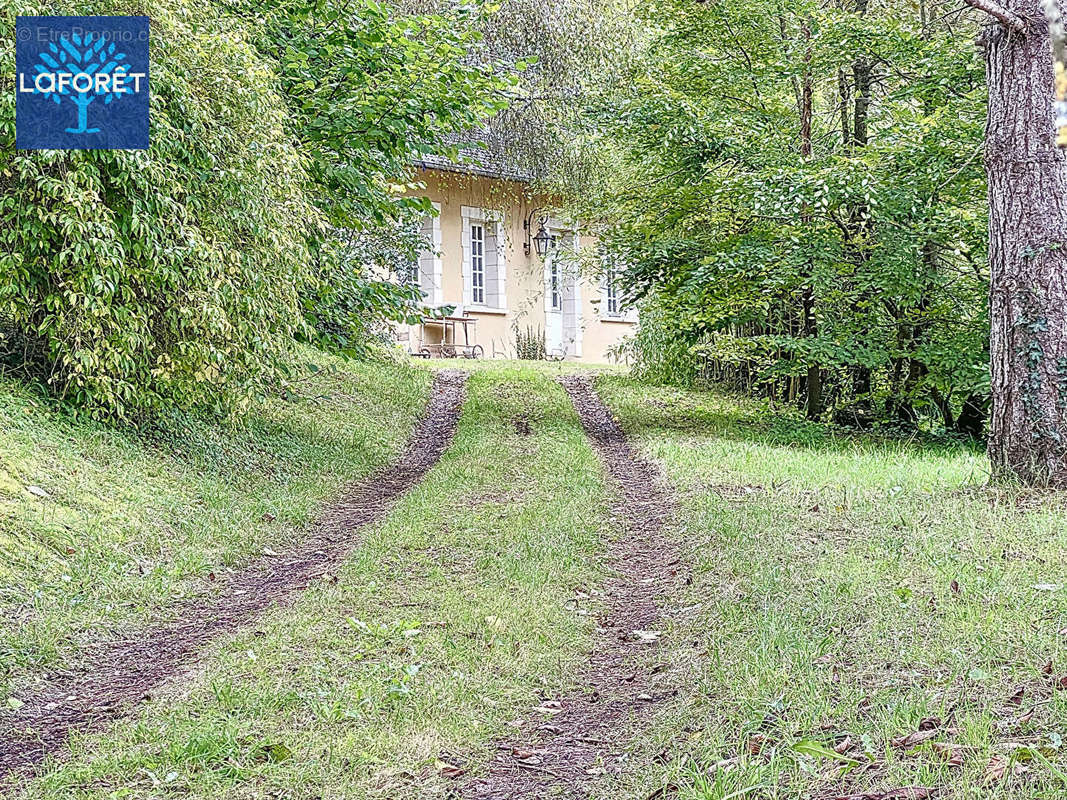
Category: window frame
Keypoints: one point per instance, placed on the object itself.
(478, 263)
(492, 297)
(612, 307)
(555, 295)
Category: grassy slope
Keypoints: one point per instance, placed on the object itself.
(455, 614)
(823, 606)
(130, 525)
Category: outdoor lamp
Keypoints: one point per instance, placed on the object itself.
(542, 241)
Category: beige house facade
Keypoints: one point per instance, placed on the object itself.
(485, 263)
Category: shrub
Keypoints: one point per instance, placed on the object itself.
(659, 351)
(349, 310)
(171, 277)
(530, 344)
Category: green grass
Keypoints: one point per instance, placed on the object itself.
(822, 606)
(843, 586)
(131, 524)
(445, 627)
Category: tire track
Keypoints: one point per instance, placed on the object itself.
(564, 757)
(118, 675)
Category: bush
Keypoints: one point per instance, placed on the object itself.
(166, 278)
(659, 351)
(350, 312)
(530, 345)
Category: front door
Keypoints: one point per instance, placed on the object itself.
(560, 297)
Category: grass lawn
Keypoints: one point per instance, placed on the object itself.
(452, 620)
(848, 591)
(101, 530)
(863, 615)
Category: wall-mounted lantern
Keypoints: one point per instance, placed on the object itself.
(543, 241)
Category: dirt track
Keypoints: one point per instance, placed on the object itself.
(563, 756)
(118, 675)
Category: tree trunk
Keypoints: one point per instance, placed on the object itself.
(813, 383)
(1027, 177)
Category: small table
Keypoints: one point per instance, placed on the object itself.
(448, 346)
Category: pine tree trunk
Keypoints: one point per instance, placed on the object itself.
(1027, 177)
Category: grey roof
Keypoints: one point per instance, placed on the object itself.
(480, 153)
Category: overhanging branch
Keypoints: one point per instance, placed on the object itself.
(1002, 15)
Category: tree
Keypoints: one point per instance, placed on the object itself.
(97, 58)
(1027, 177)
(797, 192)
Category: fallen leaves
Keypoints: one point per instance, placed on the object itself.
(756, 743)
(446, 770)
(950, 753)
(994, 771)
(816, 749)
(524, 755)
(914, 738)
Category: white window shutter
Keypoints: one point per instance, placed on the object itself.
(492, 267)
(466, 244)
(426, 259)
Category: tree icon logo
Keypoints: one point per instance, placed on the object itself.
(90, 58)
(81, 83)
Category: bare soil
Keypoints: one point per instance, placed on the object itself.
(117, 675)
(577, 739)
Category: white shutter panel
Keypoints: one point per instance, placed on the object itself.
(492, 267)
(426, 259)
(466, 245)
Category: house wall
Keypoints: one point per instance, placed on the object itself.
(524, 276)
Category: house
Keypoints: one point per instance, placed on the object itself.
(485, 263)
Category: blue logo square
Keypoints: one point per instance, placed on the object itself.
(81, 83)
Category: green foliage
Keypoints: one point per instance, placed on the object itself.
(530, 344)
(856, 254)
(166, 277)
(271, 206)
(348, 310)
(659, 352)
(371, 88)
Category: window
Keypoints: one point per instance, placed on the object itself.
(478, 263)
(484, 267)
(611, 291)
(553, 281)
